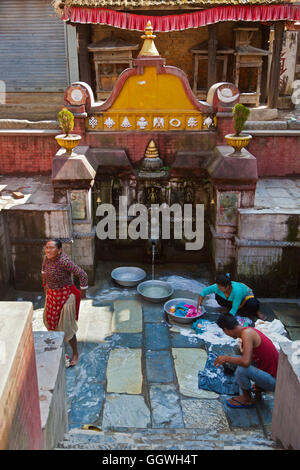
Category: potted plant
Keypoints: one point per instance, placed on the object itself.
(237, 140)
(67, 140)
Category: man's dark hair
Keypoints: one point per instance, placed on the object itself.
(57, 242)
(227, 321)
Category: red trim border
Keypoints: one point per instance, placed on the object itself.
(183, 21)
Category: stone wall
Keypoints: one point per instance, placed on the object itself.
(286, 413)
(51, 373)
(268, 251)
(30, 227)
(20, 424)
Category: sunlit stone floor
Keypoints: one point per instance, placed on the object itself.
(137, 372)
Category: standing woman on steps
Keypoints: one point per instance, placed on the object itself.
(62, 297)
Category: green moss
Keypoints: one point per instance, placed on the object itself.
(293, 224)
(281, 279)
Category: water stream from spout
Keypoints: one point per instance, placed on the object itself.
(153, 256)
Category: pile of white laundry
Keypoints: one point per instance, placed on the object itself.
(274, 330)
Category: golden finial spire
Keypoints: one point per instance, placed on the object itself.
(151, 151)
(149, 48)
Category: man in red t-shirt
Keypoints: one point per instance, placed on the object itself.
(258, 362)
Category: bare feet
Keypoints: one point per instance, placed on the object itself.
(260, 315)
(73, 344)
(257, 392)
(74, 360)
(240, 400)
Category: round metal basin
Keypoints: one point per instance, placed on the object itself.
(155, 291)
(175, 302)
(128, 276)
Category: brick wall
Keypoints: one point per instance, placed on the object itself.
(4, 270)
(20, 425)
(276, 155)
(27, 152)
(33, 154)
(135, 143)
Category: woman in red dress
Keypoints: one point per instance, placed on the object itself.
(62, 297)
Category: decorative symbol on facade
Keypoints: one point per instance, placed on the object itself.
(208, 122)
(93, 122)
(175, 122)
(109, 122)
(126, 122)
(76, 94)
(158, 122)
(142, 123)
(192, 122)
(226, 95)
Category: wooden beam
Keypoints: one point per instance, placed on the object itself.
(275, 66)
(84, 39)
(212, 55)
(265, 38)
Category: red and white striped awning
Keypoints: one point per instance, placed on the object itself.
(182, 21)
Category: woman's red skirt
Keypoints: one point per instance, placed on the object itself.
(56, 299)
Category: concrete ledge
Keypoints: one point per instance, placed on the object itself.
(223, 167)
(75, 168)
(51, 372)
(286, 414)
(265, 125)
(272, 132)
(19, 124)
(29, 132)
(266, 243)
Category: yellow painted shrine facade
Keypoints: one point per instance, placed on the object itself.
(150, 97)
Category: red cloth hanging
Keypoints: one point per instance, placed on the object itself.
(183, 21)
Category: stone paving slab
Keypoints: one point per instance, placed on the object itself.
(267, 311)
(127, 317)
(94, 323)
(165, 407)
(294, 333)
(265, 408)
(159, 367)
(124, 373)
(129, 340)
(188, 362)
(86, 405)
(287, 313)
(242, 418)
(155, 439)
(93, 359)
(156, 336)
(181, 341)
(153, 313)
(204, 414)
(125, 411)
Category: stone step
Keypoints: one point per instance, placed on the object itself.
(157, 439)
(32, 112)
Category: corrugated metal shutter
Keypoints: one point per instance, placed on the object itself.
(32, 46)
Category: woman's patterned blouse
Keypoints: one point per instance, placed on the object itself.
(58, 272)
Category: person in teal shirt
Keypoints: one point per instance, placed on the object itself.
(232, 296)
